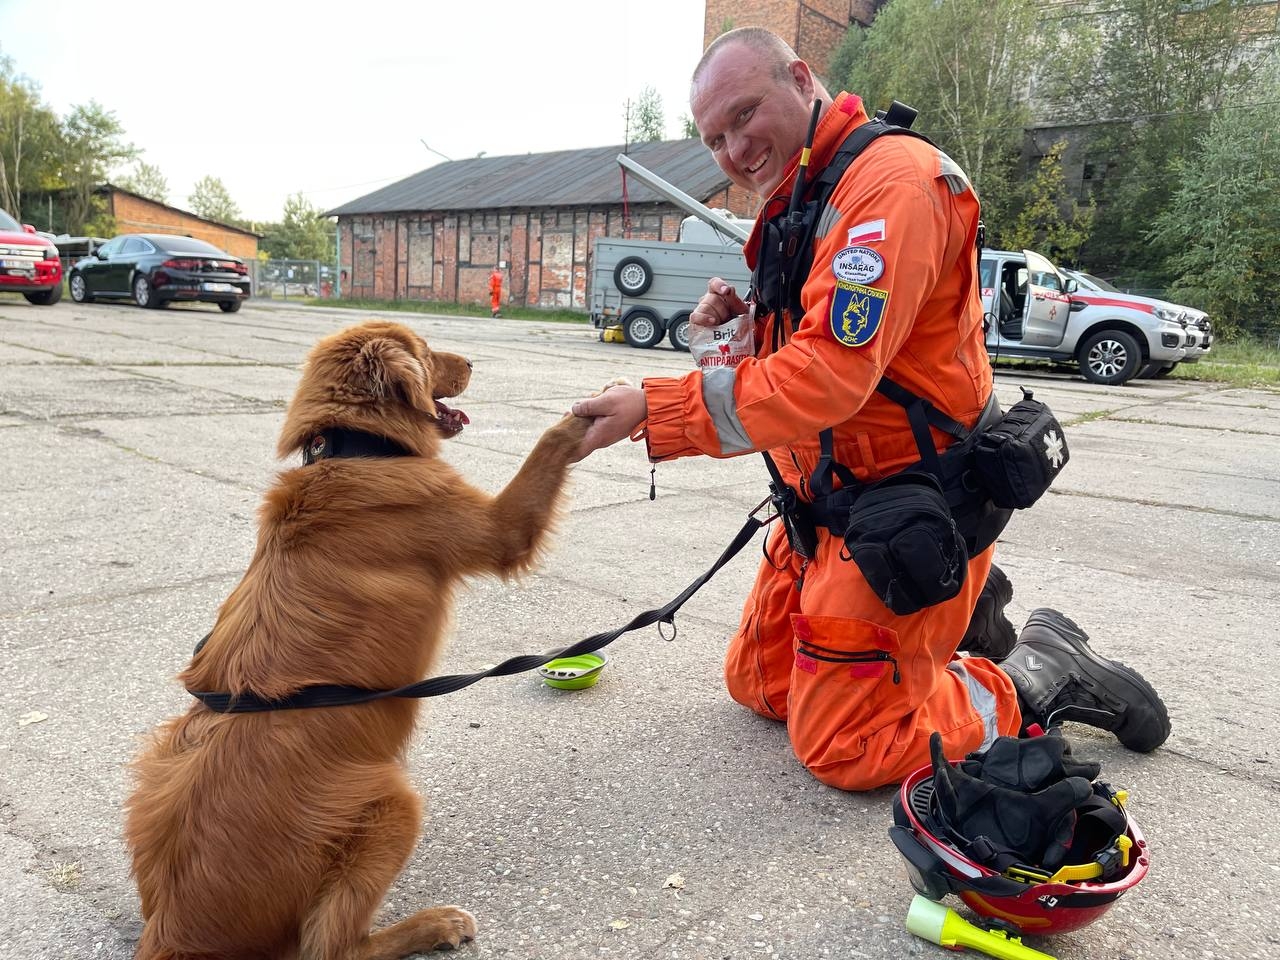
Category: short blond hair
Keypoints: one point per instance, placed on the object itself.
(771, 48)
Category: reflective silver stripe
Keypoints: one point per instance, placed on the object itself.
(717, 394)
(950, 171)
(983, 700)
(828, 219)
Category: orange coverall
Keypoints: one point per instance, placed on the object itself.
(855, 725)
(495, 290)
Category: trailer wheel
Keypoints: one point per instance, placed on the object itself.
(633, 276)
(642, 327)
(678, 331)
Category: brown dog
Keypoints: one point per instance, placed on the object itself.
(276, 834)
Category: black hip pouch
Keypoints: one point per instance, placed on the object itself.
(1019, 457)
(902, 537)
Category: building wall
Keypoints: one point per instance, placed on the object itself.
(448, 256)
(137, 215)
(813, 28)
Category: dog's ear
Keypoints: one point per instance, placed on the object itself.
(385, 370)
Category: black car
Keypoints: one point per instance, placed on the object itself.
(155, 269)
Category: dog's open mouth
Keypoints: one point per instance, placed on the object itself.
(449, 420)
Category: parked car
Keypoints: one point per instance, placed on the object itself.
(1034, 311)
(1196, 322)
(155, 269)
(29, 263)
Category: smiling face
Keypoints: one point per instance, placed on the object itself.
(752, 114)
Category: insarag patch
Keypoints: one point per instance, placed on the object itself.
(857, 265)
(856, 311)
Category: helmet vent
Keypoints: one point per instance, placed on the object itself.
(921, 799)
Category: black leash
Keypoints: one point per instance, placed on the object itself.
(335, 695)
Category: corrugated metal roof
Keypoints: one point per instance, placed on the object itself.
(558, 179)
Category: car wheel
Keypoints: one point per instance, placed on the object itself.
(678, 332)
(641, 327)
(45, 298)
(143, 295)
(633, 276)
(1110, 356)
(229, 306)
(79, 289)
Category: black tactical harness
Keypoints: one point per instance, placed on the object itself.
(913, 532)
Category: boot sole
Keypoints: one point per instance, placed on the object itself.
(1133, 730)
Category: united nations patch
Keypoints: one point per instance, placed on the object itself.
(857, 265)
(856, 312)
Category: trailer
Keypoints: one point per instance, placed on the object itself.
(643, 290)
(648, 289)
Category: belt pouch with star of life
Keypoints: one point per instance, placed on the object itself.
(1019, 457)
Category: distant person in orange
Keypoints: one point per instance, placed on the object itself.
(889, 296)
(495, 290)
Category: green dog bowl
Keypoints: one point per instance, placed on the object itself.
(574, 673)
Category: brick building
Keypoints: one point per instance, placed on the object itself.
(813, 28)
(438, 234)
(138, 214)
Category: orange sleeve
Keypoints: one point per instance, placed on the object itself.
(816, 381)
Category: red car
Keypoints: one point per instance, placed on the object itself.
(29, 263)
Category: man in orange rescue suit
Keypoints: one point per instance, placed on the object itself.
(495, 290)
(859, 687)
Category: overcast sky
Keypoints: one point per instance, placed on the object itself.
(335, 99)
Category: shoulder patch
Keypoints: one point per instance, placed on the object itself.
(857, 265)
(867, 232)
(856, 312)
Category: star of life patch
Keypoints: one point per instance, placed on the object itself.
(856, 312)
(857, 265)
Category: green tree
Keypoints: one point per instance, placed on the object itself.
(146, 180)
(303, 234)
(1164, 68)
(688, 129)
(1223, 221)
(645, 118)
(29, 135)
(210, 199)
(964, 64)
(1051, 218)
(92, 146)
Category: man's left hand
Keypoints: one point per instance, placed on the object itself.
(614, 414)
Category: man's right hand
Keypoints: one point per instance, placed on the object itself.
(719, 304)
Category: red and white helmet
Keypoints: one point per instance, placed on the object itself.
(1022, 897)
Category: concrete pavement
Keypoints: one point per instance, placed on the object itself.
(648, 816)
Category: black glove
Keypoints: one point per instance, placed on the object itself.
(1028, 765)
(1034, 828)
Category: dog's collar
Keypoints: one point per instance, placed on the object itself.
(340, 442)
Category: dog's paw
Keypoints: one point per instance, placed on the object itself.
(616, 382)
(460, 927)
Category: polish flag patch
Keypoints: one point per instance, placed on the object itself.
(866, 232)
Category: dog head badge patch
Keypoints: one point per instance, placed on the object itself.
(856, 312)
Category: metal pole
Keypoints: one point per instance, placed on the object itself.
(683, 200)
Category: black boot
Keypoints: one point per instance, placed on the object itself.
(1058, 677)
(990, 634)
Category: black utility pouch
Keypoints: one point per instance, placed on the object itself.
(1019, 457)
(904, 540)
